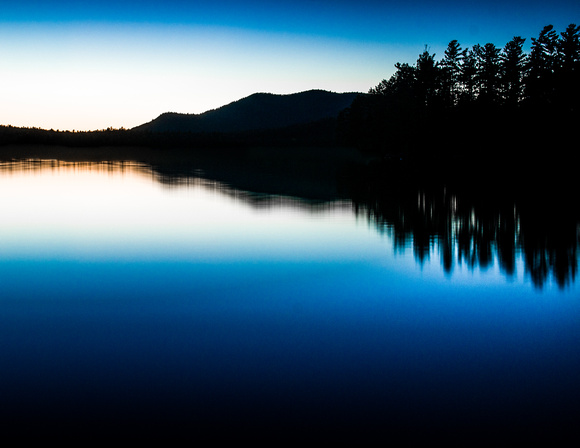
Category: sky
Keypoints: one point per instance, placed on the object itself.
(86, 65)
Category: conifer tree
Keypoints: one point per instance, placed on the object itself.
(568, 76)
(450, 73)
(427, 75)
(513, 60)
(468, 77)
(542, 64)
(569, 48)
(488, 70)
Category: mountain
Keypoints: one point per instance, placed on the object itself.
(260, 111)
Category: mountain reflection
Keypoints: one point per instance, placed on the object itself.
(463, 227)
(187, 175)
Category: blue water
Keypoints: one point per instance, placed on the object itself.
(125, 302)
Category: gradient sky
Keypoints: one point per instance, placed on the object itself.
(94, 64)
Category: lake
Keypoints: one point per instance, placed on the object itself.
(169, 301)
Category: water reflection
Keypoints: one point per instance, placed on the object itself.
(463, 229)
(184, 175)
(464, 232)
(168, 297)
(36, 165)
(459, 228)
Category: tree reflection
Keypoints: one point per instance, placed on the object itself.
(471, 228)
(475, 226)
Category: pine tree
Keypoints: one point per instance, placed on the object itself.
(542, 65)
(468, 77)
(488, 71)
(427, 74)
(513, 61)
(568, 75)
(450, 73)
(569, 48)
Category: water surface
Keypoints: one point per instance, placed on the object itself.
(131, 298)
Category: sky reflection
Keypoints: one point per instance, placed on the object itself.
(146, 307)
(121, 212)
(95, 212)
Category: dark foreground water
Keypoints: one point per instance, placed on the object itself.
(134, 304)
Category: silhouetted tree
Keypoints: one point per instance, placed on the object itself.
(400, 86)
(428, 78)
(380, 89)
(468, 76)
(450, 73)
(488, 72)
(568, 78)
(513, 61)
(542, 64)
(569, 48)
(482, 86)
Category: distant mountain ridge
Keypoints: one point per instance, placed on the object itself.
(260, 111)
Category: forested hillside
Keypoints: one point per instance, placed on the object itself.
(260, 111)
(476, 102)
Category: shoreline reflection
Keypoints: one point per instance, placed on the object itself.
(463, 229)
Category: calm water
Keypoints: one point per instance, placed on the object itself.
(130, 300)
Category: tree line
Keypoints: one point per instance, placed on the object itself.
(318, 133)
(472, 92)
(488, 74)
